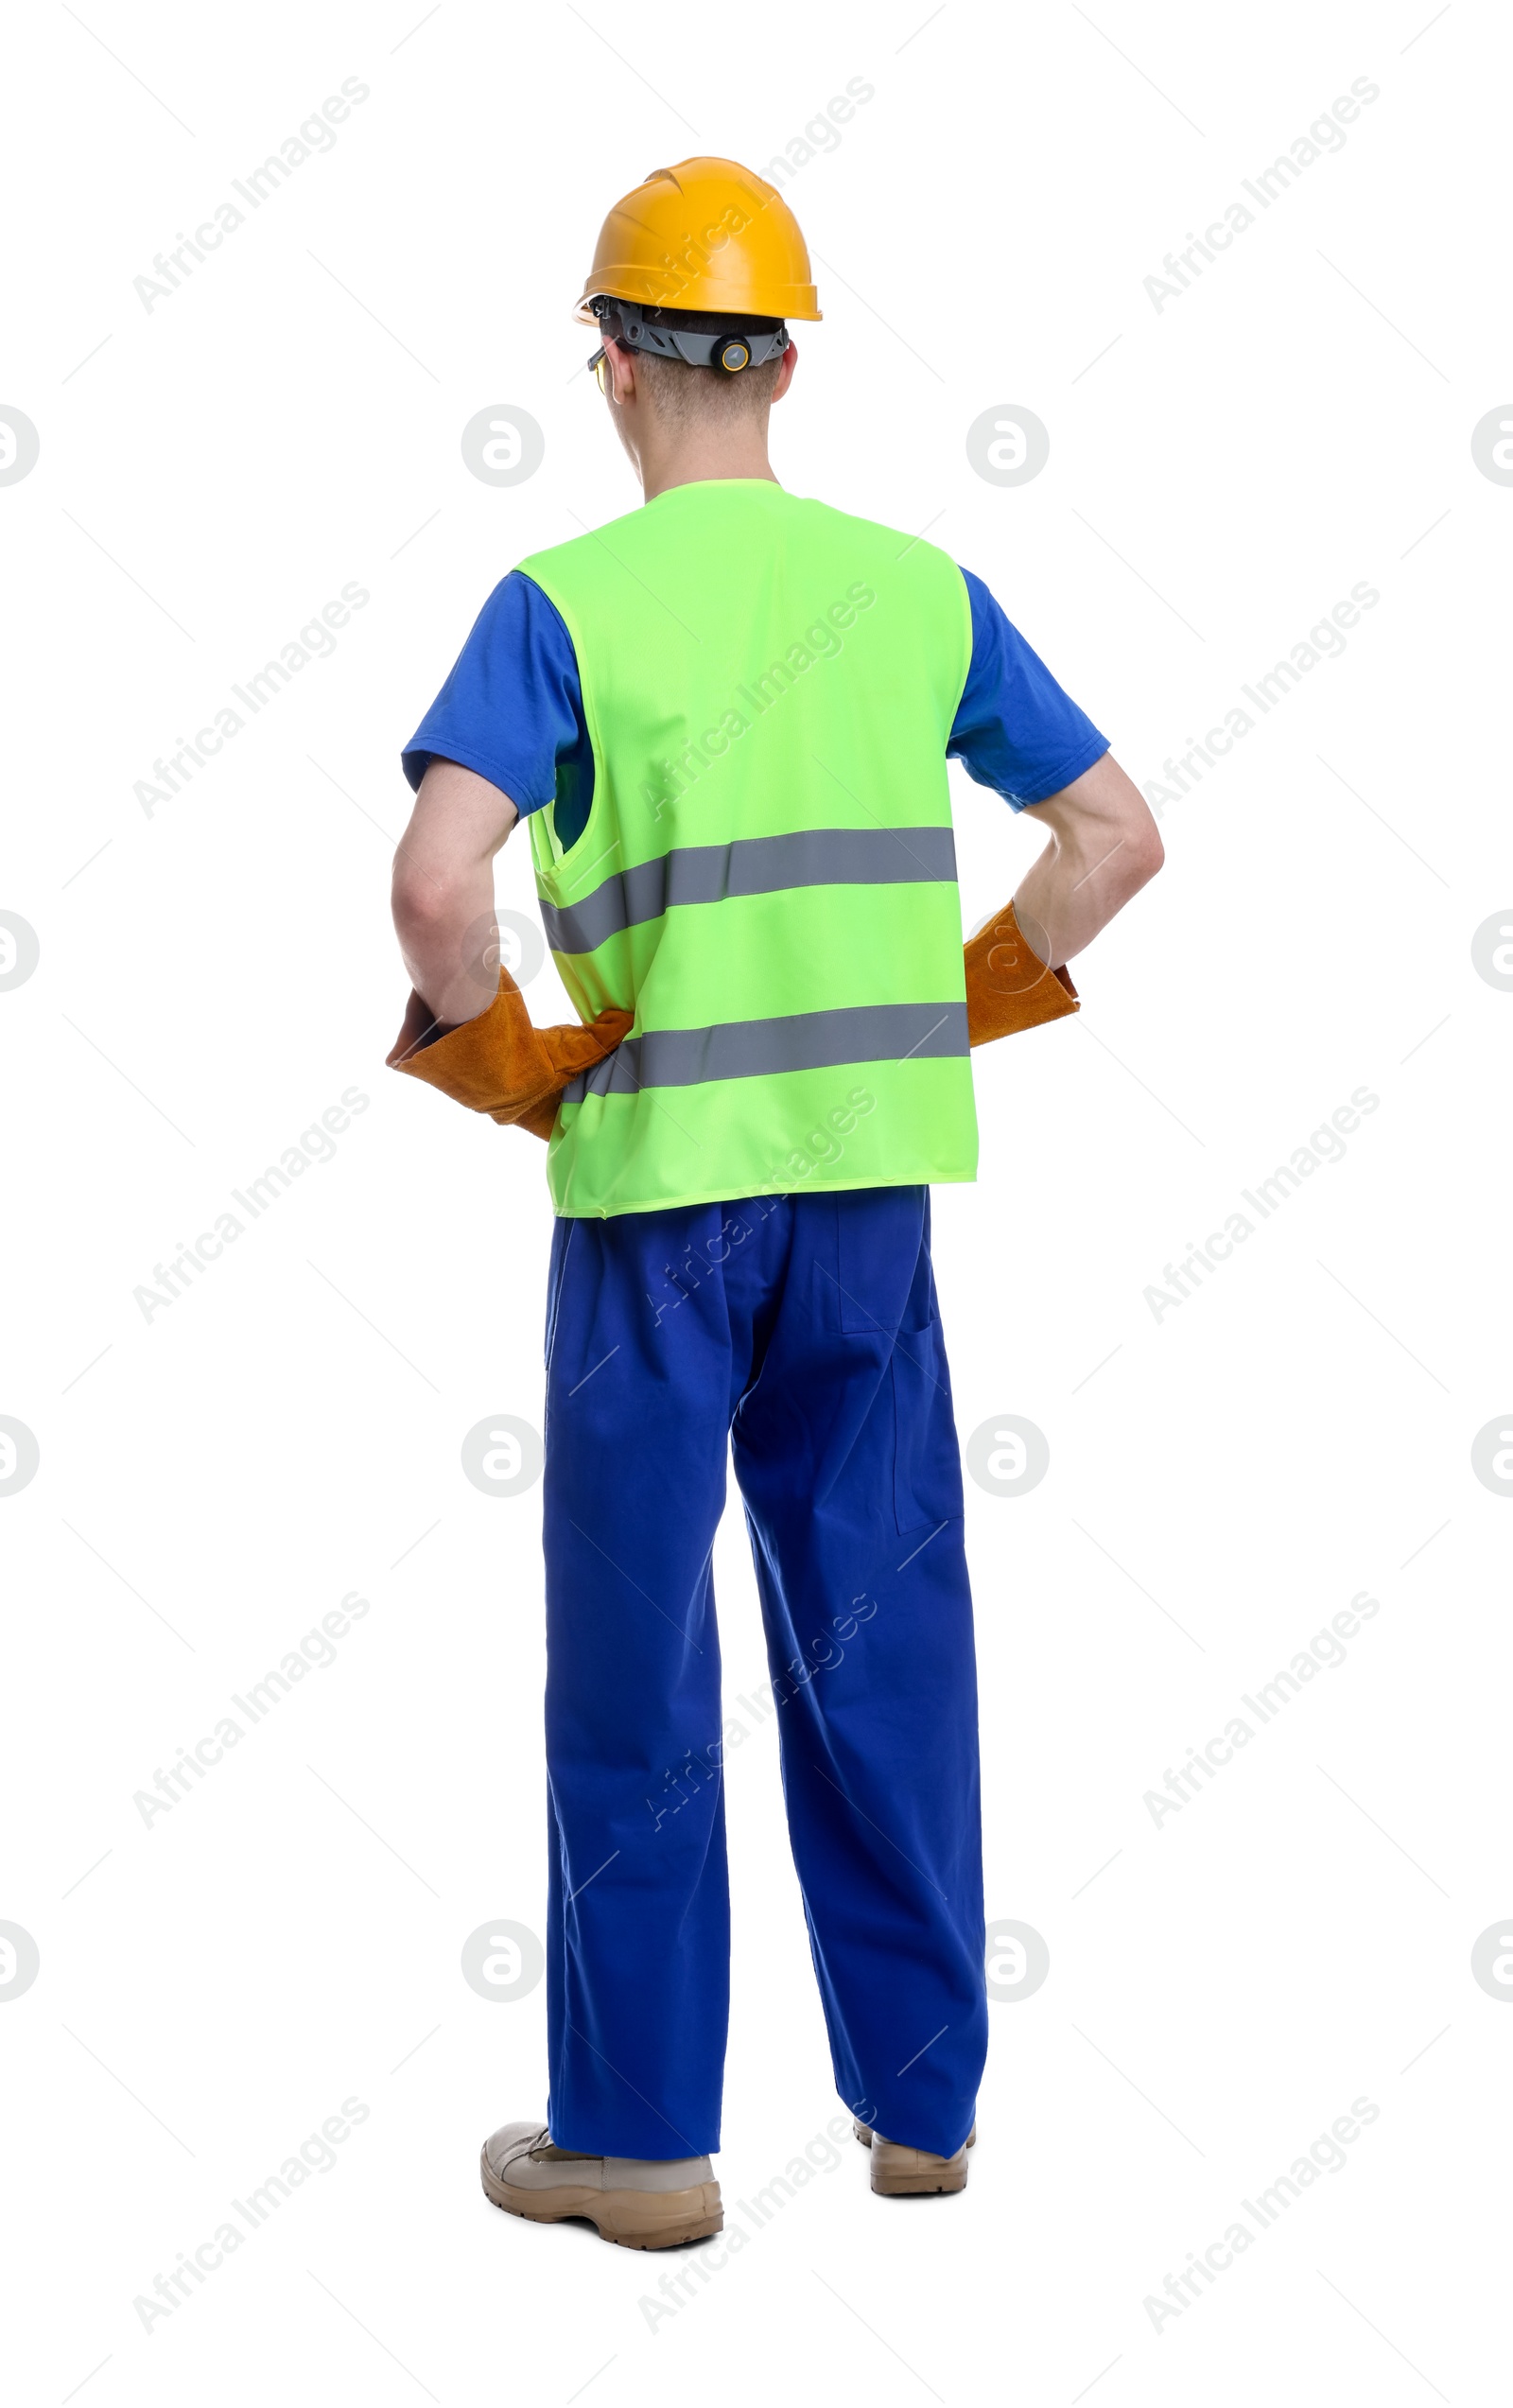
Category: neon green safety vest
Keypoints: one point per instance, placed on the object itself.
(767, 878)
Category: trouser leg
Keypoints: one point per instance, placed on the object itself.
(846, 1454)
(637, 1410)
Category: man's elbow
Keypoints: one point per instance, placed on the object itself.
(421, 902)
(1147, 853)
(1140, 850)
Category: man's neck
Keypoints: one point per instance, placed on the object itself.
(696, 458)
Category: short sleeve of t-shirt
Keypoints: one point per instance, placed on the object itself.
(1014, 729)
(513, 708)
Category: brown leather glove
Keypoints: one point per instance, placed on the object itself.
(499, 1063)
(1009, 987)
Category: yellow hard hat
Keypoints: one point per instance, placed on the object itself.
(707, 234)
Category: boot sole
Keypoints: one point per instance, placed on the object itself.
(912, 2185)
(631, 2219)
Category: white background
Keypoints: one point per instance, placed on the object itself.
(1223, 1480)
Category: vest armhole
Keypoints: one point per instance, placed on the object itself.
(968, 640)
(564, 609)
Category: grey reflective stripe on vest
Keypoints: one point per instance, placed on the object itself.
(750, 866)
(756, 1049)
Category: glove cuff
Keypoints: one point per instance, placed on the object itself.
(493, 1063)
(1008, 987)
(500, 1062)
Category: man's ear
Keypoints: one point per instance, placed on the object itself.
(785, 371)
(621, 371)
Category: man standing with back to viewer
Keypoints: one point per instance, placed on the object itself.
(726, 719)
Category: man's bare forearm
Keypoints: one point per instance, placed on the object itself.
(443, 889)
(1105, 847)
(434, 933)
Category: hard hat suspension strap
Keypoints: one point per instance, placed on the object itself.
(729, 351)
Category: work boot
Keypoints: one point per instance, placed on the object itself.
(897, 2171)
(643, 2202)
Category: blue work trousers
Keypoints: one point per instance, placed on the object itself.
(804, 1329)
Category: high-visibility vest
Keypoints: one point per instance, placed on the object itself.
(766, 876)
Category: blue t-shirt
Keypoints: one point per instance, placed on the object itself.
(513, 710)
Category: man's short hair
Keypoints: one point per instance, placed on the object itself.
(685, 395)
